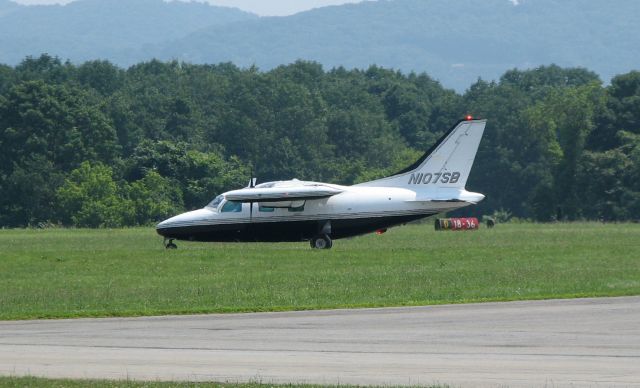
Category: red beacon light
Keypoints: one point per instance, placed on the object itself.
(468, 118)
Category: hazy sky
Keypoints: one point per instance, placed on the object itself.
(260, 7)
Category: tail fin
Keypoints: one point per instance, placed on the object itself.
(446, 164)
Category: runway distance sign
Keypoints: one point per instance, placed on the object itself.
(470, 223)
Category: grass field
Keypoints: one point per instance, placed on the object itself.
(80, 273)
(21, 382)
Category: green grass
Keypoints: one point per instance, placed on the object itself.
(21, 382)
(81, 273)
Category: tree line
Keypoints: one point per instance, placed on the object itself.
(101, 146)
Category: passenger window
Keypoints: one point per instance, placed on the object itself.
(231, 206)
(297, 209)
(266, 209)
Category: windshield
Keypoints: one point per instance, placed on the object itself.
(216, 201)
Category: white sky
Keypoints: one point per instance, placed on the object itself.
(260, 7)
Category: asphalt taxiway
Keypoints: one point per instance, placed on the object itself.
(578, 342)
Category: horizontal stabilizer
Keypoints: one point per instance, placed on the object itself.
(460, 196)
(438, 200)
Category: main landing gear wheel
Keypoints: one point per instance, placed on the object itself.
(321, 242)
(170, 244)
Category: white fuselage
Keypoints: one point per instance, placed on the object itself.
(296, 210)
(355, 210)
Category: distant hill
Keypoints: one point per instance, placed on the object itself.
(7, 7)
(122, 31)
(454, 41)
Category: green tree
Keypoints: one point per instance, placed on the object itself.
(574, 111)
(622, 112)
(154, 198)
(27, 193)
(610, 180)
(90, 197)
(61, 123)
(101, 76)
(526, 136)
(200, 175)
(176, 134)
(7, 78)
(45, 68)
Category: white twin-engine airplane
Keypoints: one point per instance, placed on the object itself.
(321, 212)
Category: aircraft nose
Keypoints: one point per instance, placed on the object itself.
(164, 227)
(161, 228)
(163, 224)
(197, 217)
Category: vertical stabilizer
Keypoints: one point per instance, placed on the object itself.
(446, 165)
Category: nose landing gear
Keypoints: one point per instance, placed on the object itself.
(170, 244)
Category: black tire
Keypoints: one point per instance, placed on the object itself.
(171, 246)
(321, 242)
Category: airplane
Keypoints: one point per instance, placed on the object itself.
(295, 210)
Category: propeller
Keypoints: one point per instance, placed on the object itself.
(252, 184)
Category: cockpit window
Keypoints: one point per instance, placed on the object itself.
(216, 201)
(231, 206)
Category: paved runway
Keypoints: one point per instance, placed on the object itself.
(556, 343)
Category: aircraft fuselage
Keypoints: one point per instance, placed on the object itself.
(355, 211)
(296, 210)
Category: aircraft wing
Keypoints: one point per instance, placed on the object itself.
(277, 194)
